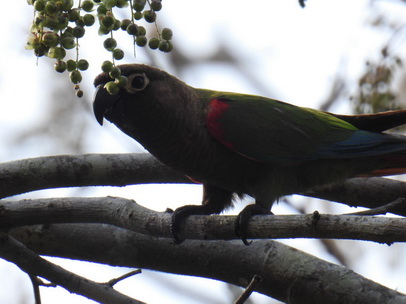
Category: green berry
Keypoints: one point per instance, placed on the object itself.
(116, 25)
(50, 22)
(107, 66)
(132, 29)
(39, 5)
(83, 64)
(137, 15)
(115, 72)
(124, 24)
(68, 43)
(88, 19)
(63, 21)
(107, 21)
(78, 31)
(118, 54)
(32, 42)
(142, 31)
(39, 19)
(139, 5)
(156, 5)
(67, 32)
(67, 5)
(153, 43)
(167, 34)
(80, 22)
(149, 16)
(50, 7)
(56, 53)
(104, 31)
(141, 40)
(121, 81)
(122, 3)
(71, 65)
(87, 5)
(40, 50)
(165, 46)
(110, 44)
(60, 66)
(110, 4)
(75, 77)
(112, 88)
(50, 39)
(74, 15)
(101, 10)
(79, 93)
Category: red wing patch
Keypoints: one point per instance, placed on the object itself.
(217, 108)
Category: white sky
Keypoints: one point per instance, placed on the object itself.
(297, 51)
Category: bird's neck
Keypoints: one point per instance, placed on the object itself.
(171, 130)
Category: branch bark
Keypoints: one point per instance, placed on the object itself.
(128, 214)
(33, 264)
(363, 192)
(290, 275)
(287, 274)
(26, 175)
(32, 174)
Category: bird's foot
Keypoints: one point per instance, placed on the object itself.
(243, 219)
(179, 216)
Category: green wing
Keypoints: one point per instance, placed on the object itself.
(273, 131)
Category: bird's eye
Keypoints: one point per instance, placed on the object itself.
(137, 82)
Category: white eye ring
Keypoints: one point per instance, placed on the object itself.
(136, 83)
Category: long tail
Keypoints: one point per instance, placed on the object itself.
(379, 122)
(376, 122)
(395, 165)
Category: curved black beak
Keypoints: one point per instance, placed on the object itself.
(103, 102)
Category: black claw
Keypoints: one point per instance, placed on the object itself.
(177, 240)
(179, 216)
(243, 219)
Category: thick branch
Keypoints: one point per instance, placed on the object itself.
(15, 252)
(129, 215)
(32, 174)
(287, 274)
(26, 175)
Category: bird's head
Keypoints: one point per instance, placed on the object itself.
(146, 87)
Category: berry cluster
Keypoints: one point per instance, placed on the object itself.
(59, 24)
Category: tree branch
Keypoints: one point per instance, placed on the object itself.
(363, 192)
(32, 174)
(15, 252)
(39, 173)
(127, 214)
(287, 274)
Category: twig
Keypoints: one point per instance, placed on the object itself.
(256, 279)
(382, 209)
(36, 283)
(29, 262)
(369, 192)
(35, 287)
(113, 282)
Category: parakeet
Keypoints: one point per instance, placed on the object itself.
(236, 144)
